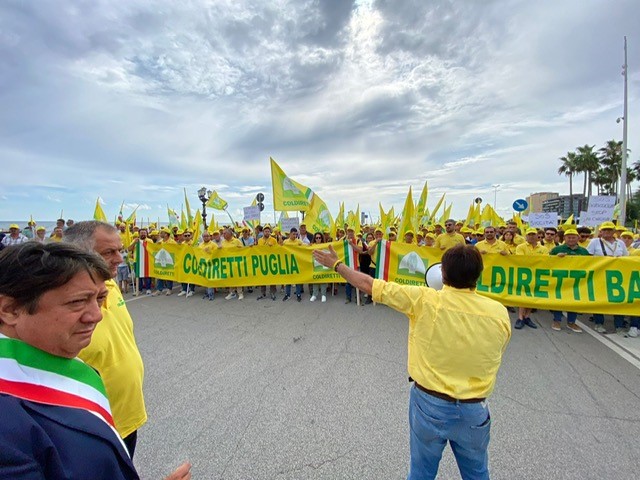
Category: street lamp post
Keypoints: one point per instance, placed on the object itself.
(495, 194)
(204, 195)
(623, 171)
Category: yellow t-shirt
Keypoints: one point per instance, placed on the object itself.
(446, 241)
(585, 243)
(233, 243)
(208, 247)
(527, 249)
(519, 239)
(456, 337)
(485, 247)
(114, 354)
(549, 245)
(288, 241)
(269, 242)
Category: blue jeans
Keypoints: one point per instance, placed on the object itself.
(618, 320)
(571, 316)
(347, 290)
(165, 284)
(210, 292)
(433, 422)
(145, 283)
(635, 322)
(287, 290)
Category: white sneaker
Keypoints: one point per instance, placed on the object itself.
(241, 296)
(148, 292)
(600, 329)
(167, 292)
(230, 296)
(313, 298)
(633, 332)
(189, 294)
(324, 298)
(182, 292)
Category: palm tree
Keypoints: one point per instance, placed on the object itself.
(610, 166)
(568, 168)
(587, 163)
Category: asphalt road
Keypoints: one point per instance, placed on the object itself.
(285, 390)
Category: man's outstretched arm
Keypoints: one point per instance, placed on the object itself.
(330, 259)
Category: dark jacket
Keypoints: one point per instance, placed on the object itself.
(49, 442)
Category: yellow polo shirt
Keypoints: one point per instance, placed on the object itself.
(114, 354)
(288, 241)
(519, 239)
(270, 242)
(456, 337)
(585, 243)
(208, 247)
(233, 243)
(549, 245)
(527, 249)
(497, 247)
(447, 240)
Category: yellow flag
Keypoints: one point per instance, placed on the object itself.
(339, 223)
(470, 215)
(186, 203)
(197, 226)
(408, 215)
(288, 194)
(183, 220)
(569, 221)
(216, 202)
(446, 215)
(422, 204)
(434, 212)
(173, 217)
(318, 218)
(98, 213)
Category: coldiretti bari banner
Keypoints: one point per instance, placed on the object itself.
(242, 267)
(578, 284)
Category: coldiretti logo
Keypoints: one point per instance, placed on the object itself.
(412, 265)
(163, 259)
(318, 267)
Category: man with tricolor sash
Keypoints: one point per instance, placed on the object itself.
(55, 418)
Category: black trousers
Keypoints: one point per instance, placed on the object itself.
(130, 442)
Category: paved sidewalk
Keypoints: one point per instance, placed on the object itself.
(286, 390)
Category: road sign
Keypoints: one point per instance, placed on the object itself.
(520, 205)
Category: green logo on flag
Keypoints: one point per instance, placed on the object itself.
(163, 259)
(412, 265)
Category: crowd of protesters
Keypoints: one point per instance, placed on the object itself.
(503, 239)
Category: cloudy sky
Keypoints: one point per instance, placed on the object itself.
(134, 100)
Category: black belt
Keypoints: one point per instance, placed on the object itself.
(444, 396)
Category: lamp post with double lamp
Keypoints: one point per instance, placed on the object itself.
(204, 195)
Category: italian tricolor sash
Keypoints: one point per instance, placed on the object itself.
(31, 374)
(142, 263)
(383, 249)
(350, 256)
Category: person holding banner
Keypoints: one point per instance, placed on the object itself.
(267, 241)
(456, 342)
(570, 247)
(293, 239)
(229, 241)
(55, 417)
(530, 247)
(607, 245)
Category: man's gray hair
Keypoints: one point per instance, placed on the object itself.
(83, 233)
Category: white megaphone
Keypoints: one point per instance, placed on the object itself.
(433, 276)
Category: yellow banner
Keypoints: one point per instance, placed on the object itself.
(242, 267)
(578, 284)
(574, 283)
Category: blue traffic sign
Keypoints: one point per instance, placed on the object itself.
(520, 205)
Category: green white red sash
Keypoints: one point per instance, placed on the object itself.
(142, 260)
(31, 374)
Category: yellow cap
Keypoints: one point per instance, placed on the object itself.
(627, 233)
(571, 231)
(607, 226)
(14, 225)
(531, 230)
(40, 228)
(154, 232)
